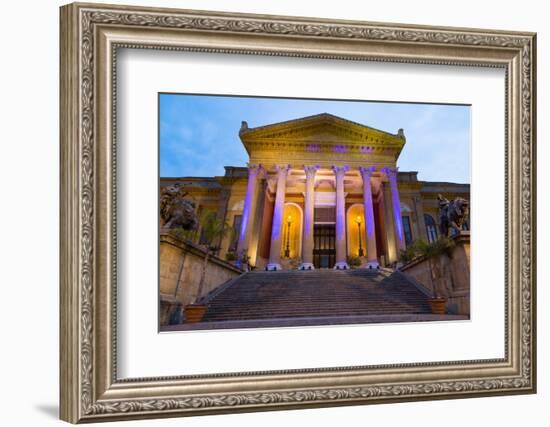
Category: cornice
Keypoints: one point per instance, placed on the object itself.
(314, 120)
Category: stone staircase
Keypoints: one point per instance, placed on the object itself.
(260, 295)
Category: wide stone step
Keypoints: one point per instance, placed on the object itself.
(267, 309)
(311, 312)
(322, 311)
(283, 315)
(291, 294)
(326, 301)
(262, 293)
(325, 304)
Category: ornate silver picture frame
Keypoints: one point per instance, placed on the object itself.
(91, 389)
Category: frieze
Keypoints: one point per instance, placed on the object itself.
(317, 146)
(297, 159)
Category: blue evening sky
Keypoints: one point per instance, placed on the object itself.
(199, 135)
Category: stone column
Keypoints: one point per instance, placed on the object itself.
(307, 232)
(341, 263)
(396, 209)
(372, 254)
(249, 208)
(277, 226)
(389, 227)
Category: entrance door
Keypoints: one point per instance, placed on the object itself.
(324, 250)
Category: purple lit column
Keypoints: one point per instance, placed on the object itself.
(372, 256)
(277, 227)
(396, 207)
(341, 263)
(249, 204)
(309, 201)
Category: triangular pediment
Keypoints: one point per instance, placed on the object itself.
(321, 128)
(317, 132)
(320, 138)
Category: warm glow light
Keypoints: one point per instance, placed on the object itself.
(289, 218)
(358, 219)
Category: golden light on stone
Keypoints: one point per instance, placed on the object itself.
(292, 230)
(355, 217)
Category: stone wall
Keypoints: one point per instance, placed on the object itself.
(180, 272)
(447, 277)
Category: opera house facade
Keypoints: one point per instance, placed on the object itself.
(318, 192)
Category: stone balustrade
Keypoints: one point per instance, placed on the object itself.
(180, 268)
(444, 276)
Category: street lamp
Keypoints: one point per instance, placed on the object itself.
(287, 249)
(358, 221)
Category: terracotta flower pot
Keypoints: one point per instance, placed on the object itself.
(194, 312)
(438, 305)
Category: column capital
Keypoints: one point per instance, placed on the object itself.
(311, 170)
(367, 171)
(282, 169)
(255, 169)
(340, 170)
(390, 172)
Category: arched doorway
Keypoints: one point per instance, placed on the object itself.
(292, 228)
(355, 220)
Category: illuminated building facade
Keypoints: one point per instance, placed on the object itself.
(317, 192)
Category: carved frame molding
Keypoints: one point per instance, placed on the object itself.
(90, 36)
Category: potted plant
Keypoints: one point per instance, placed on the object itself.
(186, 235)
(410, 252)
(212, 230)
(438, 304)
(194, 312)
(231, 256)
(431, 251)
(244, 260)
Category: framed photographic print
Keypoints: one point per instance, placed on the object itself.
(265, 212)
(301, 229)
